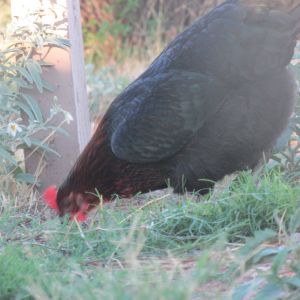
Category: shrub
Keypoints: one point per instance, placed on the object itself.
(20, 115)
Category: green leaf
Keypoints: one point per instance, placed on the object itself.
(59, 42)
(4, 90)
(292, 281)
(243, 290)
(43, 146)
(27, 141)
(26, 177)
(21, 83)
(24, 73)
(279, 260)
(270, 291)
(296, 56)
(35, 71)
(48, 86)
(7, 156)
(34, 107)
(26, 110)
(259, 238)
(265, 253)
(277, 159)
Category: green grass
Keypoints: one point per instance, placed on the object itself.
(167, 248)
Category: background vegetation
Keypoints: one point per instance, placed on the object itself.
(20, 116)
(113, 29)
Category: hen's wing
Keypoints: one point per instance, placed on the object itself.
(162, 113)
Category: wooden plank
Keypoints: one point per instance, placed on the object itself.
(68, 76)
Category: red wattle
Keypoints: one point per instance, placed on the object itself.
(81, 215)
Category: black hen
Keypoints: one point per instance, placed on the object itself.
(213, 101)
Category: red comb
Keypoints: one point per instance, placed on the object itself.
(50, 197)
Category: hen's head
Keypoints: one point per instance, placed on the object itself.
(72, 203)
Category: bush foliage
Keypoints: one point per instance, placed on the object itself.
(20, 114)
(112, 28)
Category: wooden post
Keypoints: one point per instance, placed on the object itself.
(68, 76)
